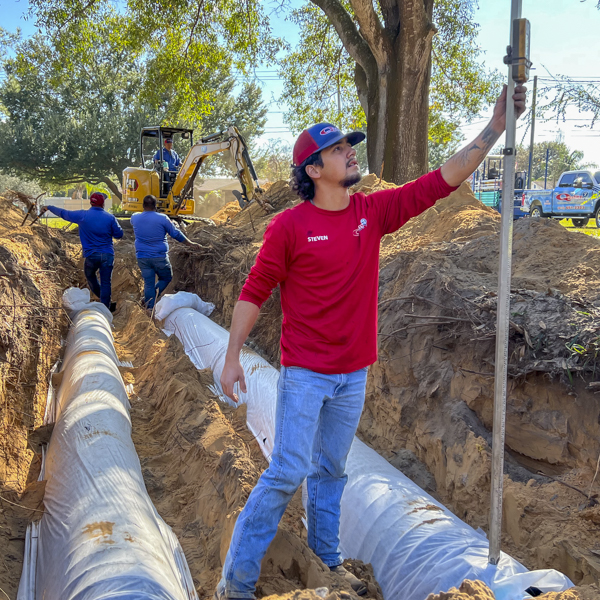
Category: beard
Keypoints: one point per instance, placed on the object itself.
(350, 180)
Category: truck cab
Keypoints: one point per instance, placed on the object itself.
(576, 197)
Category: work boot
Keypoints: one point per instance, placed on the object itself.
(357, 585)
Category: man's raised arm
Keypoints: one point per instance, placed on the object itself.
(460, 166)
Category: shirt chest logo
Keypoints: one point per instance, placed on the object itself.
(361, 226)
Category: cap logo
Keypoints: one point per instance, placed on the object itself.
(327, 130)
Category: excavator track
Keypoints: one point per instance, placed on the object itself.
(180, 218)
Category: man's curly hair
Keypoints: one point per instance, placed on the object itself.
(300, 182)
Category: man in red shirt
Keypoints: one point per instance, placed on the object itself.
(324, 254)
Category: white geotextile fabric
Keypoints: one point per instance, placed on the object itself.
(76, 299)
(100, 536)
(170, 302)
(416, 545)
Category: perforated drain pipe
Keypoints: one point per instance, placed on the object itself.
(100, 536)
(416, 545)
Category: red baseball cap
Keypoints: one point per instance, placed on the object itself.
(319, 137)
(97, 199)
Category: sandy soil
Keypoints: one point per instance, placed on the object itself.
(476, 590)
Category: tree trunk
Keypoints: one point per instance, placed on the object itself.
(408, 131)
(397, 117)
(393, 70)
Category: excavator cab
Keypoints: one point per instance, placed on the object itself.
(152, 141)
(174, 190)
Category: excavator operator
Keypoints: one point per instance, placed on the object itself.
(169, 156)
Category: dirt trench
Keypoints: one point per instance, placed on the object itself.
(430, 394)
(198, 459)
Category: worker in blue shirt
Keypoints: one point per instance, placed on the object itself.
(151, 248)
(169, 155)
(97, 228)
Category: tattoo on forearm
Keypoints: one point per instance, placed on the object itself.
(475, 152)
(489, 137)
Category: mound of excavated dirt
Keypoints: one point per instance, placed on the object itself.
(458, 218)
(36, 264)
(226, 213)
(200, 463)
(430, 394)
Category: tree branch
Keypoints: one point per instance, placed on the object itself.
(391, 16)
(354, 43)
(76, 14)
(193, 28)
(372, 31)
(360, 80)
(112, 186)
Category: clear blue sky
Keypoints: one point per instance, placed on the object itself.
(564, 41)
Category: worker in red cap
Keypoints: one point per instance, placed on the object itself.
(97, 228)
(324, 255)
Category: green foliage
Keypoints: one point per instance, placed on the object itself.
(561, 158)
(67, 125)
(318, 73)
(187, 44)
(319, 70)
(67, 120)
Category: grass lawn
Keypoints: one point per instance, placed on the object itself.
(57, 223)
(589, 229)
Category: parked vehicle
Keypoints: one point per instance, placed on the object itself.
(487, 185)
(576, 197)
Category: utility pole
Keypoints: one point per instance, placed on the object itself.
(518, 63)
(532, 131)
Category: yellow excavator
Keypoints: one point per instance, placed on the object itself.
(174, 190)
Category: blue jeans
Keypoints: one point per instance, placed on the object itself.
(103, 262)
(316, 419)
(151, 268)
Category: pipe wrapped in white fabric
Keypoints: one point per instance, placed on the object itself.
(100, 536)
(416, 545)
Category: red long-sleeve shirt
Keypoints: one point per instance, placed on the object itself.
(327, 264)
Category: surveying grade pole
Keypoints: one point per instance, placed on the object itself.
(533, 100)
(518, 71)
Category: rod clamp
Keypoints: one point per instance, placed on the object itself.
(508, 151)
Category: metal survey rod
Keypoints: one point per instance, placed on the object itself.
(518, 71)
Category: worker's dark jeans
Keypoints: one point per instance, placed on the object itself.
(103, 262)
(151, 268)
